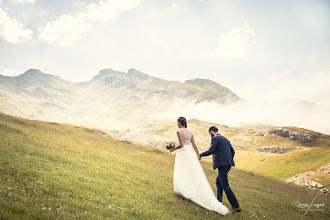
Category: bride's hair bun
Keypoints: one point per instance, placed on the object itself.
(182, 121)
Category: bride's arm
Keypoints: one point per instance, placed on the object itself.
(181, 142)
(194, 146)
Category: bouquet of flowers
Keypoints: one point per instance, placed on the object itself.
(169, 146)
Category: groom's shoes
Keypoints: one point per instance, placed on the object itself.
(238, 209)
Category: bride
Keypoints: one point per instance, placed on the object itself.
(189, 178)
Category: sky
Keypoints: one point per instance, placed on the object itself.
(266, 50)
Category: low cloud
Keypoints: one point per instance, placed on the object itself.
(12, 72)
(307, 80)
(276, 113)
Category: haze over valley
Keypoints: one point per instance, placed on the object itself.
(114, 100)
(91, 90)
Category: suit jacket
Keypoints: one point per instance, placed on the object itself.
(221, 150)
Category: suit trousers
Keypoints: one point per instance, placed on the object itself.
(222, 185)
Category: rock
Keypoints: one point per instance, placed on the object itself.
(99, 132)
(308, 180)
(276, 150)
(260, 133)
(293, 135)
(290, 133)
(280, 132)
(2, 125)
(309, 173)
(324, 169)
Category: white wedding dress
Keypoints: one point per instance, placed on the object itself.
(189, 178)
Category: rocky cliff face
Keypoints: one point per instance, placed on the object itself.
(214, 90)
(137, 87)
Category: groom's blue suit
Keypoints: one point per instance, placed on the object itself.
(221, 150)
(223, 158)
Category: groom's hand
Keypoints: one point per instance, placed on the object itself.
(199, 157)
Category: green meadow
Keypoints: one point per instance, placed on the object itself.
(305, 155)
(60, 171)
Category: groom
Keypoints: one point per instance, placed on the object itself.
(223, 154)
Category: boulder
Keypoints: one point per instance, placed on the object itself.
(290, 133)
(275, 150)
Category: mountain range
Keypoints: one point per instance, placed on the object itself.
(108, 99)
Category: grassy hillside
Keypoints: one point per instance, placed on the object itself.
(306, 155)
(51, 171)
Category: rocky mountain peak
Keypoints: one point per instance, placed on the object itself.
(103, 73)
(214, 89)
(106, 71)
(113, 75)
(36, 74)
(201, 82)
(136, 73)
(35, 77)
(33, 72)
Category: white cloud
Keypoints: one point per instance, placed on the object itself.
(12, 72)
(12, 30)
(235, 44)
(63, 31)
(67, 29)
(27, 1)
(106, 10)
(307, 79)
